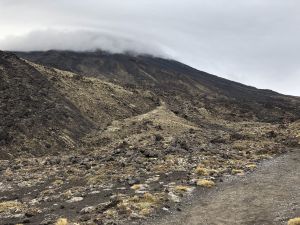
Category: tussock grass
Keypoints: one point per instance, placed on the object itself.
(237, 172)
(251, 166)
(10, 205)
(62, 221)
(58, 182)
(111, 213)
(295, 221)
(240, 145)
(182, 188)
(202, 171)
(150, 197)
(205, 183)
(136, 187)
(123, 208)
(95, 179)
(143, 205)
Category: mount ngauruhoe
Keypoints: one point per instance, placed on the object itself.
(104, 138)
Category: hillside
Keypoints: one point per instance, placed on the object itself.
(46, 110)
(186, 90)
(113, 139)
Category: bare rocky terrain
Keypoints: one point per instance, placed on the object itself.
(268, 196)
(98, 138)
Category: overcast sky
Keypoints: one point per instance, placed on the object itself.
(256, 42)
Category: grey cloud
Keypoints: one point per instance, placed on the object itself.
(80, 40)
(254, 42)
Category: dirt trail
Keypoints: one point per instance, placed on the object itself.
(271, 195)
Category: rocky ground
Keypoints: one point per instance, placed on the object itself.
(133, 177)
(270, 195)
(92, 151)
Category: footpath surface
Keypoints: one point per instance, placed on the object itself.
(270, 195)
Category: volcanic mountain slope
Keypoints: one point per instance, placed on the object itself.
(97, 152)
(46, 110)
(184, 89)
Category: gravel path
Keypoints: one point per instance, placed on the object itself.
(271, 195)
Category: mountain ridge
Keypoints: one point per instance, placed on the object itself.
(169, 77)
